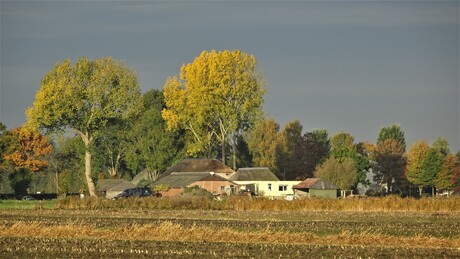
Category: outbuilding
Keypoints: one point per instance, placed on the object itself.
(110, 188)
(315, 187)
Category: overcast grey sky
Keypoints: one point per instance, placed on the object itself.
(352, 66)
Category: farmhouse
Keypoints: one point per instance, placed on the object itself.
(263, 182)
(210, 181)
(110, 188)
(271, 189)
(315, 187)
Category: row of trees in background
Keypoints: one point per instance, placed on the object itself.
(346, 163)
(433, 166)
(212, 109)
(145, 143)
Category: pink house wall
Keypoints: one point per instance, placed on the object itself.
(213, 186)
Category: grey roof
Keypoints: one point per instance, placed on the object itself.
(180, 179)
(113, 185)
(315, 183)
(254, 174)
(198, 165)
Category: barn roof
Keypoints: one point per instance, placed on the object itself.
(199, 165)
(114, 185)
(254, 174)
(315, 183)
(180, 179)
(183, 179)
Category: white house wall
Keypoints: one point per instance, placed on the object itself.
(270, 188)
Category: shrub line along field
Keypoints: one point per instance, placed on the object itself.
(135, 233)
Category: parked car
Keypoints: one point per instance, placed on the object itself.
(28, 198)
(135, 192)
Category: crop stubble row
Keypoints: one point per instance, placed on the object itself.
(97, 248)
(445, 226)
(445, 229)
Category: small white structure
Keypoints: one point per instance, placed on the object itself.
(272, 189)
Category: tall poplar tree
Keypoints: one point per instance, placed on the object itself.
(84, 97)
(215, 98)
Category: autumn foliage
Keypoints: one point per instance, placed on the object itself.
(214, 98)
(390, 162)
(28, 149)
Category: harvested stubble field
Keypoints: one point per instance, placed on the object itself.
(136, 233)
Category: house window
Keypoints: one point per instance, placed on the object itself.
(282, 188)
(269, 187)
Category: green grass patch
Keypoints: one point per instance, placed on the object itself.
(26, 205)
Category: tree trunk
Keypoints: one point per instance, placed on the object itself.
(89, 180)
(56, 172)
(432, 191)
(223, 151)
(420, 188)
(113, 169)
(234, 153)
(57, 182)
(155, 175)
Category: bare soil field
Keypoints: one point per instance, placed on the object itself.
(221, 234)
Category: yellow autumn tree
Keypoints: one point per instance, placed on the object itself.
(27, 149)
(445, 178)
(215, 98)
(416, 157)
